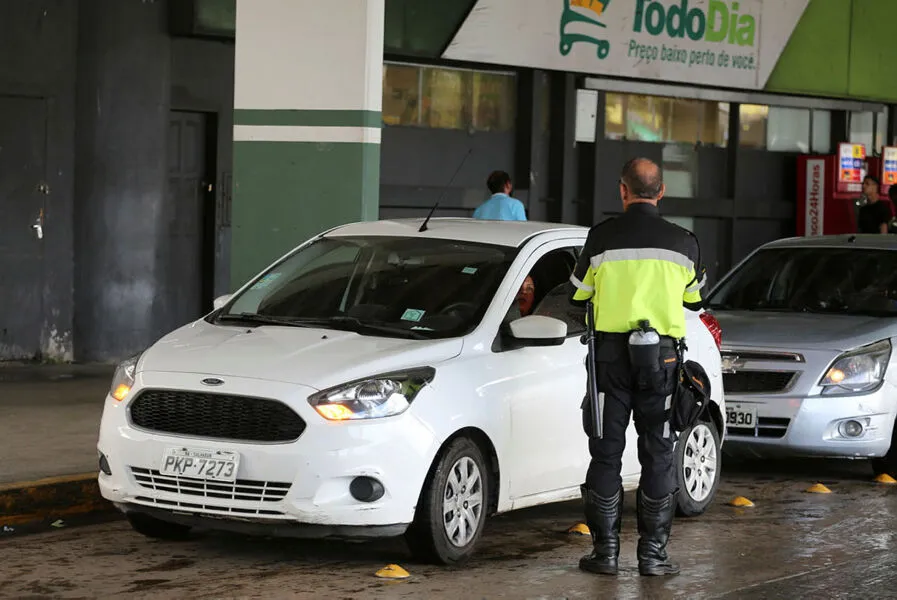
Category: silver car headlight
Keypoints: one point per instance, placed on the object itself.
(859, 370)
(375, 397)
(123, 379)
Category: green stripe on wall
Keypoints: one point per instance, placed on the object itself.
(288, 192)
(308, 118)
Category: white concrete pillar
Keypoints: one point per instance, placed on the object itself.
(307, 102)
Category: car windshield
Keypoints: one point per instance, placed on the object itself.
(848, 281)
(377, 285)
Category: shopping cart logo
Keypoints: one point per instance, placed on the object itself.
(583, 14)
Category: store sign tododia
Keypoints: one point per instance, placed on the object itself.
(712, 42)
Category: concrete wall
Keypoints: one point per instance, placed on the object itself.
(110, 72)
(38, 42)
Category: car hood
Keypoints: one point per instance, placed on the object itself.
(801, 330)
(318, 358)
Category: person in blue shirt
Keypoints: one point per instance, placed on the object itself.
(500, 207)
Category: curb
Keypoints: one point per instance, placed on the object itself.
(26, 502)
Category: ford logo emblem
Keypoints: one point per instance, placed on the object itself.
(212, 381)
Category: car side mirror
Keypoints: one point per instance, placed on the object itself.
(536, 330)
(220, 301)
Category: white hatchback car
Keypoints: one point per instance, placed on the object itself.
(378, 381)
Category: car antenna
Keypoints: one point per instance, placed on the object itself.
(423, 226)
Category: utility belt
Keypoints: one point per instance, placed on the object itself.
(644, 346)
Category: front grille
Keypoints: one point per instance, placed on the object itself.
(767, 427)
(218, 416)
(209, 510)
(756, 382)
(755, 355)
(242, 489)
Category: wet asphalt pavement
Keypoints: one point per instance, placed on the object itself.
(792, 544)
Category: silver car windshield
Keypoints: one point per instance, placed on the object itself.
(377, 285)
(850, 281)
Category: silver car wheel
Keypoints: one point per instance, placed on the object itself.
(462, 502)
(699, 463)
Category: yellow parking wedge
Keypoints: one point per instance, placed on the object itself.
(393, 572)
(579, 529)
(741, 502)
(885, 478)
(818, 488)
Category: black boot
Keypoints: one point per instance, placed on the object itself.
(603, 519)
(655, 519)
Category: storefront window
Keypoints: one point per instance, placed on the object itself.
(752, 119)
(822, 131)
(445, 104)
(661, 119)
(680, 170)
(869, 129)
(448, 98)
(881, 130)
(861, 130)
(788, 129)
(493, 102)
(401, 95)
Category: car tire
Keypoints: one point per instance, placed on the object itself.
(434, 538)
(698, 464)
(156, 528)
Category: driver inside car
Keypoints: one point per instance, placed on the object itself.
(526, 295)
(524, 301)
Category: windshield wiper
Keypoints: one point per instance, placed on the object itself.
(246, 317)
(358, 326)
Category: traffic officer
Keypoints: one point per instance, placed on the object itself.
(637, 270)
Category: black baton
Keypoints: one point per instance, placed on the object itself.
(592, 390)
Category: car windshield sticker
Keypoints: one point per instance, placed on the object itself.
(469, 270)
(266, 281)
(412, 314)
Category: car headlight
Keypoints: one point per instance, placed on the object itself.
(859, 370)
(123, 379)
(375, 397)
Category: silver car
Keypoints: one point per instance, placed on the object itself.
(808, 326)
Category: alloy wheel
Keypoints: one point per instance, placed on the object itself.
(700, 462)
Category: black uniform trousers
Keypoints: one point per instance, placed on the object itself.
(648, 400)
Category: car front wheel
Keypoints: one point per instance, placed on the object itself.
(698, 462)
(452, 511)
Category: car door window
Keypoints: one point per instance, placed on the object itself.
(550, 276)
(556, 304)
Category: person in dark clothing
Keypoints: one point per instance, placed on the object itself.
(634, 268)
(875, 214)
(892, 196)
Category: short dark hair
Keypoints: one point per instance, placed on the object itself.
(497, 181)
(871, 178)
(643, 177)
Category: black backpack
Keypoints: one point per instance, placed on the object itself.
(691, 396)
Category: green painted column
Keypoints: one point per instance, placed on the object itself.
(307, 101)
